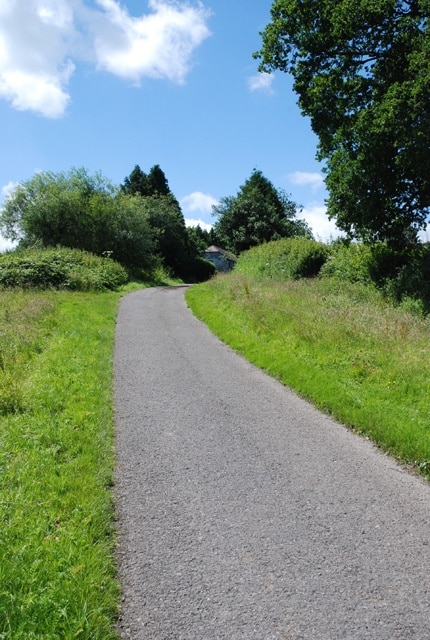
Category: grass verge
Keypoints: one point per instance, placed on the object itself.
(337, 344)
(57, 569)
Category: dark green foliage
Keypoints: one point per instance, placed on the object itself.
(200, 239)
(170, 233)
(60, 269)
(136, 182)
(172, 243)
(287, 259)
(198, 270)
(259, 213)
(361, 70)
(151, 184)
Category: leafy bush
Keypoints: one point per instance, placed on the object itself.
(199, 270)
(60, 269)
(351, 263)
(403, 276)
(289, 258)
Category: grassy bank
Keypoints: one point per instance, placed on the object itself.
(57, 571)
(338, 344)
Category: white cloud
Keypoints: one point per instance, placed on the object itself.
(261, 82)
(40, 41)
(157, 45)
(302, 178)
(7, 190)
(35, 42)
(189, 222)
(322, 227)
(198, 201)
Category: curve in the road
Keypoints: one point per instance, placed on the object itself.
(243, 512)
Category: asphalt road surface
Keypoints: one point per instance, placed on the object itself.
(243, 512)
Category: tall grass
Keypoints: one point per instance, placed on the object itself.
(57, 570)
(339, 344)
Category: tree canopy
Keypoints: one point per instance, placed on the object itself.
(153, 183)
(362, 73)
(80, 211)
(258, 213)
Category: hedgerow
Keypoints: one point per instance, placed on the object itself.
(60, 268)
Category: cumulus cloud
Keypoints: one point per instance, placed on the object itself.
(198, 201)
(322, 227)
(157, 45)
(41, 40)
(261, 82)
(302, 178)
(35, 41)
(191, 222)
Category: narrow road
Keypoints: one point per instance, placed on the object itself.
(243, 512)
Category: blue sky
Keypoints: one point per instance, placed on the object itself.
(107, 85)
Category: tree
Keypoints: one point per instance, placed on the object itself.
(258, 213)
(79, 211)
(200, 238)
(170, 233)
(361, 71)
(151, 184)
(136, 182)
(172, 243)
(68, 209)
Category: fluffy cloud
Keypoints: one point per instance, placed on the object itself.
(301, 178)
(198, 201)
(35, 40)
(323, 229)
(158, 45)
(261, 82)
(40, 41)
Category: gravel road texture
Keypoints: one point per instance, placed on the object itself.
(243, 512)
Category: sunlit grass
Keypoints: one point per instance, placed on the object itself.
(57, 569)
(339, 345)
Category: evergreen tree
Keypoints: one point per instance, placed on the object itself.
(258, 213)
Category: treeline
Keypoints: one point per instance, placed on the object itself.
(138, 223)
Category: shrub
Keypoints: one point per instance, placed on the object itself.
(290, 258)
(351, 263)
(199, 270)
(403, 276)
(60, 269)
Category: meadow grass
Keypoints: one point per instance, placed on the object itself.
(340, 345)
(57, 566)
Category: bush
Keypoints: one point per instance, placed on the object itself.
(403, 276)
(289, 258)
(60, 269)
(198, 270)
(351, 263)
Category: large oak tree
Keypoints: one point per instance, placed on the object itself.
(361, 70)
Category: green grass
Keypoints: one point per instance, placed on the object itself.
(57, 568)
(338, 344)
